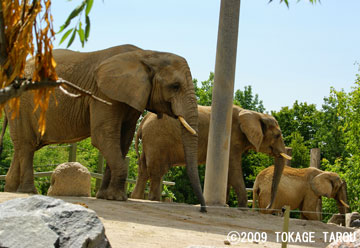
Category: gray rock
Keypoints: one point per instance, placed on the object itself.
(41, 221)
(350, 217)
(338, 219)
(355, 223)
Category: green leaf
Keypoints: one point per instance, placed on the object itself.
(72, 38)
(81, 34)
(87, 28)
(72, 15)
(89, 4)
(65, 36)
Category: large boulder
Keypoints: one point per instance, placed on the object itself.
(41, 221)
(70, 179)
(352, 240)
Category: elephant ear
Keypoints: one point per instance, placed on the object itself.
(322, 184)
(251, 126)
(125, 78)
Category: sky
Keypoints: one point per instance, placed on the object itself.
(285, 54)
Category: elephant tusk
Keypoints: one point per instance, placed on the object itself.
(284, 155)
(343, 203)
(186, 125)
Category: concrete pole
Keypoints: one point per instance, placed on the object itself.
(315, 162)
(72, 152)
(217, 162)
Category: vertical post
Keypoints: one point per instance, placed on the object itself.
(217, 162)
(315, 162)
(72, 152)
(286, 224)
(315, 158)
(288, 151)
(100, 170)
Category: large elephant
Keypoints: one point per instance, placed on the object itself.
(131, 79)
(300, 188)
(162, 147)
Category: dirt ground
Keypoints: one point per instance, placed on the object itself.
(141, 223)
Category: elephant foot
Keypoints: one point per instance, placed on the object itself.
(136, 195)
(110, 194)
(10, 188)
(242, 205)
(27, 189)
(101, 194)
(154, 197)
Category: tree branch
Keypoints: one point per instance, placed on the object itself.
(3, 44)
(19, 86)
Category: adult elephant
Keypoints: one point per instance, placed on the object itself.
(131, 79)
(300, 188)
(250, 130)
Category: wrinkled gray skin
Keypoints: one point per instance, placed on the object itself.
(300, 188)
(162, 148)
(131, 79)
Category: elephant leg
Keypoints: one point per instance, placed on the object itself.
(107, 139)
(12, 179)
(236, 181)
(26, 156)
(156, 176)
(113, 184)
(309, 208)
(155, 189)
(112, 129)
(104, 183)
(228, 188)
(142, 178)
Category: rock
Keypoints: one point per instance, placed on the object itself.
(355, 223)
(41, 221)
(354, 241)
(350, 217)
(338, 219)
(70, 179)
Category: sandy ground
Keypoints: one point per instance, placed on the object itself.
(141, 223)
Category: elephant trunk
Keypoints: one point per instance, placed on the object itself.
(342, 200)
(190, 143)
(190, 150)
(278, 169)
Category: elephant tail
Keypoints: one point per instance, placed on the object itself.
(256, 192)
(139, 135)
(137, 138)
(3, 133)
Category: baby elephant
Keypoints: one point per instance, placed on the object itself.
(162, 147)
(300, 188)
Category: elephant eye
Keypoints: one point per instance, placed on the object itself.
(175, 86)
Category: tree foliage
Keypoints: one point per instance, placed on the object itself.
(83, 34)
(300, 153)
(302, 118)
(247, 100)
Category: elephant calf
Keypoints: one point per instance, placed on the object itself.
(300, 188)
(162, 147)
